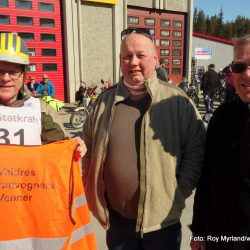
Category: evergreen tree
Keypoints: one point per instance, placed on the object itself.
(215, 26)
(219, 26)
(201, 22)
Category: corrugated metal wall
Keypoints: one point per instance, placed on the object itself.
(222, 53)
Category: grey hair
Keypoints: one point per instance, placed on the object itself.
(240, 41)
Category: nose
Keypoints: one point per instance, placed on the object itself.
(6, 77)
(134, 60)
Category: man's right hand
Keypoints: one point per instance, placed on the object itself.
(197, 245)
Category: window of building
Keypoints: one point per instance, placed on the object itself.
(149, 21)
(165, 23)
(32, 52)
(176, 61)
(165, 33)
(48, 7)
(48, 37)
(164, 52)
(49, 67)
(176, 71)
(48, 52)
(32, 67)
(27, 36)
(24, 4)
(45, 22)
(176, 52)
(4, 19)
(164, 42)
(4, 3)
(177, 33)
(177, 24)
(177, 43)
(133, 20)
(23, 20)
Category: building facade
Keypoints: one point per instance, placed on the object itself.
(79, 40)
(208, 49)
(39, 23)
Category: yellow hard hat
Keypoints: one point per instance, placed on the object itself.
(13, 49)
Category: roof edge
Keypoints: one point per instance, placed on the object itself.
(213, 38)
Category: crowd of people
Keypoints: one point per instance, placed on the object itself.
(145, 148)
(44, 88)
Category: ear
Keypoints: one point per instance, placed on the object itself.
(120, 57)
(156, 57)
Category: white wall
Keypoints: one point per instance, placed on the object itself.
(222, 54)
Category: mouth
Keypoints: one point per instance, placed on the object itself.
(5, 86)
(134, 71)
(246, 85)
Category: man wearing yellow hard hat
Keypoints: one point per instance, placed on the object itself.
(14, 60)
(43, 203)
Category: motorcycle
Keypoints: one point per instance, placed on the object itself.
(207, 116)
(78, 117)
(193, 95)
(84, 105)
(191, 91)
(220, 94)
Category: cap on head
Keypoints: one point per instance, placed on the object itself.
(211, 66)
(13, 49)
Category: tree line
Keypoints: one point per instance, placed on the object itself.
(215, 26)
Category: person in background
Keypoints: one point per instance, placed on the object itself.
(144, 141)
(161, 71)
(46, 87)
(210, 82)
(222, 199)
(184, 84)
(32, 85)
(230, 89)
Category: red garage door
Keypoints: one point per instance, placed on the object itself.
(39, 23)
(167, 29)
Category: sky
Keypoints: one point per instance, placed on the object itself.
(231, 8)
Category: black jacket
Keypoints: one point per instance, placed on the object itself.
(210, 80)
(162, 74)
(222, 200)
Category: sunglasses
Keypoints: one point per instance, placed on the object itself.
(238, 67)
(45, 78)
(143, 31)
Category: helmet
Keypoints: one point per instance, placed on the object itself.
(13, 49)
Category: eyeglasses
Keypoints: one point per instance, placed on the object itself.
(143, 31)
(14, 75)
(238, 67)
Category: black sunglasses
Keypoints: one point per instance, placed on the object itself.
(143, 31)
(238, 67)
